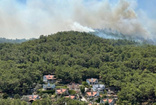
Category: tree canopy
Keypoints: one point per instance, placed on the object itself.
(76, 56)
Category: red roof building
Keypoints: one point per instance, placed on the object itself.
(49, 78)
(92, 81)
(92, 94)
(71, 97)
(110, 101)
(61, 91)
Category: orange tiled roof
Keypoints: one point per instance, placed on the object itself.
(33, 97)
(92, 80)
(49, 77)
(61, 91)
(109, 100)
(91, 93)
(71, 97)
(94, 104)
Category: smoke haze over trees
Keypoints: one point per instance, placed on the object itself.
(4, 40)
(30, 18)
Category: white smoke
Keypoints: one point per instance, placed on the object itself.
(76, 26)
(38, 17)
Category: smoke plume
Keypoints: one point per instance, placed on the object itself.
(36, 17)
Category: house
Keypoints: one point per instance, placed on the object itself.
(48, 86)
(110, 101)
(49, 78)
(74, 86)
(92, 81)
(110, 92)
(71, 97)
(61, 91)
(31, 98)
(98, 87)
(92, 94)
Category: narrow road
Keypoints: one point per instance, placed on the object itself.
(83, 98)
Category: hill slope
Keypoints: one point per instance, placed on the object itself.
(75, 56)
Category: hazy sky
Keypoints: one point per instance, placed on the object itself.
(32, 18)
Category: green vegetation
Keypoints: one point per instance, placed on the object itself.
(82, 88)
(72, 92)
(41, 92)
(74, 56)
(59, 87)
(85, 83)
(12, 102)
(68, 101)
(61, 101)
(46, 101)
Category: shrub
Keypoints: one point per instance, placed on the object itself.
(82, 88)
(59, 87)
(72, 92)
(41, 92)
(49, 91)
(84, 83)
(17, 96)
(45, 95)
(5, 95)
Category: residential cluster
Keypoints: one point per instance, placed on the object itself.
(91, 91)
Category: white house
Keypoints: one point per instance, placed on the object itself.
(48, 86)
(92, 81)
(98, 87)
(49, 78)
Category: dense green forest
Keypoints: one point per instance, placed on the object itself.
(12, 102)
(74, 56)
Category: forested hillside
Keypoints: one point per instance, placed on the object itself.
(75, 56)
